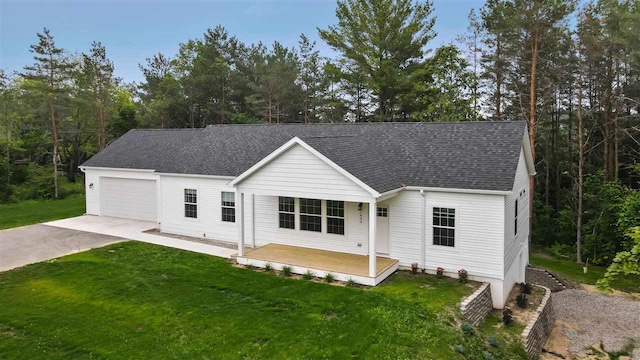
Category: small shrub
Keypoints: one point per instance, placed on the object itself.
(507, 316)
(414, 268)
(308, 275)
(268, 267)
(493, 341)
(487, 356)
(440, 272)
(351, 283)
(329, 278)
(521, 300)
(467, 329)
(463, 276)
(526, 288)
(459, 349)
(286, 270)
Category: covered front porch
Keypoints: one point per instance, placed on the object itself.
(343, 266)
(307, 212)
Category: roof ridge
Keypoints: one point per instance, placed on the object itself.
(168, 129)
(368, 123)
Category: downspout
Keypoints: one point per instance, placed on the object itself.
(423, 232)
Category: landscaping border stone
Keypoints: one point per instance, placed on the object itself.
(539, 328)
(477, 306)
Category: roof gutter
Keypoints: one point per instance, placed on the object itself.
(221, 177)
(457, 190)
(83, 168)
(389, 194)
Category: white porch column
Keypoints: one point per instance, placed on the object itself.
(373, 207)
(240, 220)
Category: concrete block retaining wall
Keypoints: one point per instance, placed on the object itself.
(537, 331)
(542, 277)
(477, 306)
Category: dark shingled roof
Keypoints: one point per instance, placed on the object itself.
(466, 155)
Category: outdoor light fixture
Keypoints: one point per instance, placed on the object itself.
(360, 207)
(91, 186)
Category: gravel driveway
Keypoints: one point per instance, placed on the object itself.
(593, 318)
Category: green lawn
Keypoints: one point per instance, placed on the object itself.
(36, 211)
(573, 272)
(140, 301)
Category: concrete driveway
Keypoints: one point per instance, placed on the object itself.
(35, 243)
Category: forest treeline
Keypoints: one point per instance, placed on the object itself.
(571, 70)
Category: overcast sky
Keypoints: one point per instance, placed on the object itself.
(134, 30)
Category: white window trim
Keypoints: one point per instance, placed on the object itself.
(323, 213)
(197, 203)
(295, 213)
(235, 207)
(456, 240)
(344, 217)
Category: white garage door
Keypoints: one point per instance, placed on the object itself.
(128, 198)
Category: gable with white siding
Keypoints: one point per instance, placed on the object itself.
(299, 173)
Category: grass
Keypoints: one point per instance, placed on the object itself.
(573, 272)
(140, 301)
(36, 211)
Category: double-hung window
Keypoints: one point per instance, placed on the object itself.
(311, 215)
(335, 217)
(228, 206)
(287, 212)
(191, 203)
(444, 226)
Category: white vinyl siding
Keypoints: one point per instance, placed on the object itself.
(267, 228)
(479, 234)
(128, 198)
(405, 235)
(93, 188)
(209, 223)
(299, 173)
(514, 241)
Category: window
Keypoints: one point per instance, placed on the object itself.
(383, 212)
(444, 224)
(228, 206)
(287, 209)
(515, 220)
(335, 217)
(191, 203)
(311, 215)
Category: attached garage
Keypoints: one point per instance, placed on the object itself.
(128, 198)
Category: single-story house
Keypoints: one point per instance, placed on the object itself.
(356, 200)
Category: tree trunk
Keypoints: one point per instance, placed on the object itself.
(222, 105)
(580, 170)
(54, 127)
(306, 104)
(269, 110)
(532, 120)
(498, 95)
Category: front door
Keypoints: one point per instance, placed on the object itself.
(382, 229)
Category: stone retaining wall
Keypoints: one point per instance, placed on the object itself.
(477, 306)
(544, 278)
(537, 331)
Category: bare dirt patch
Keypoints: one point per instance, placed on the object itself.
(523, 315)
